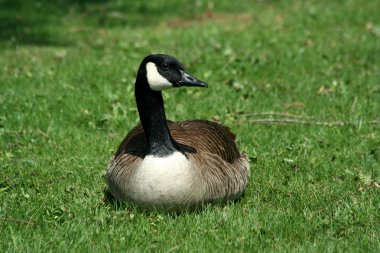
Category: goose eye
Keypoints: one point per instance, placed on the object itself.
(165, 66)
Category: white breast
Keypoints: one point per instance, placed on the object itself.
(163, 180)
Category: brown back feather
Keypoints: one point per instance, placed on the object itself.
(202, 135)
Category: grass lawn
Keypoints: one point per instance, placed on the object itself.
(67, 72)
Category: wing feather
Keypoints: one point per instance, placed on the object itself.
(202, 135)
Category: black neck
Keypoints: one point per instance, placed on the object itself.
(150, 105)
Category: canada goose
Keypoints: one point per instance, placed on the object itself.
(174, 165)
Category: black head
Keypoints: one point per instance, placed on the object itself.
(164, 72)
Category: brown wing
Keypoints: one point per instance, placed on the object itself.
(202, 135)
(134, 143)
(206, 136)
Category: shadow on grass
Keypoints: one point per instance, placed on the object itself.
(116, 205)
(29, 22)
(42, 22)
(45, 22)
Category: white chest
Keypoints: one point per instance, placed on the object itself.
(161, 180)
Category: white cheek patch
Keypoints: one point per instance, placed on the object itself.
(156, 81)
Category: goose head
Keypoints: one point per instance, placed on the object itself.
(156, 73)
(164, 72)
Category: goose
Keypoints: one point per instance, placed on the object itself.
(168, 165)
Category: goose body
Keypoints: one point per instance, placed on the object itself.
(174, 165)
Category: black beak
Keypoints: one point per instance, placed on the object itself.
(189, 80)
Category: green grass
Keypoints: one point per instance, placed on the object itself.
(66, 97)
